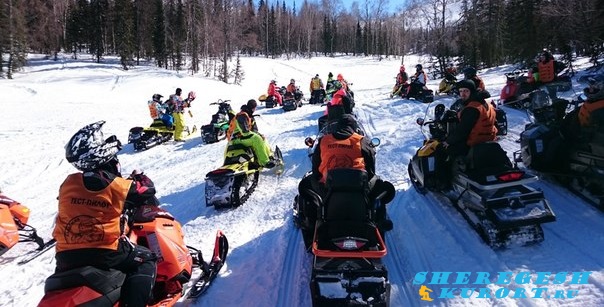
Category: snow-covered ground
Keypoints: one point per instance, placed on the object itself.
(267, 266)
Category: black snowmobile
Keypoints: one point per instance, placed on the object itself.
(419, 92)
(317, 97)
(232, 184)
(555, 145)
(490, 192)
(292, 101)
(217, 128)
(347, 240)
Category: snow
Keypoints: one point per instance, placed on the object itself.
(267, 266)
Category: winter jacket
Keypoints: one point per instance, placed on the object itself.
(587, 109)
(291, 88)
(476, 125)
(316, 84)
(239, 145)
(242, 121)
(509, 91)
(402, 78)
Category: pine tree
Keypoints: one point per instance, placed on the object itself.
(125, 32)
(159, 35)
(238, 73)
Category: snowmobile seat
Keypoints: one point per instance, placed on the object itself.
(101, 281)
(238, 154)
(486, 159)
(347, 195)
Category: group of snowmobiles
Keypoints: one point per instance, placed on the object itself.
(290, 101)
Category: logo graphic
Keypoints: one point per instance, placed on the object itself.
(84, 229)
(424, 293)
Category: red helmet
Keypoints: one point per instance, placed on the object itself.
(402, 68)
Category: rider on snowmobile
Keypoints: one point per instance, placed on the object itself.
(94, 201)
(476, 121)
(344, 148)
(245, 136)
(594, 102)
(247, 113)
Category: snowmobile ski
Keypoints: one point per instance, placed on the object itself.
(279, 165)
(38, 252)
(209, 270)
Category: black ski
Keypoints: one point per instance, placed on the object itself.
(38, 252)
(209, 270)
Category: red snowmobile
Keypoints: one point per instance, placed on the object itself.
(181, 271)
(14, 227)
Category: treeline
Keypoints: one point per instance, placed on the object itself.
(206, 35)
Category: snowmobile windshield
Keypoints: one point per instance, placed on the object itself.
(540, 99)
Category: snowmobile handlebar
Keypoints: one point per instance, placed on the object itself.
(220, 101)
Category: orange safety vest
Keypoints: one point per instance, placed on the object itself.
(484, 130)
(546, 71)
(89, 219)
(586, 109)
(233, 124)
(153, 109)
(340, 154)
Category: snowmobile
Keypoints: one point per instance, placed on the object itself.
(232, 184)
(554, 145)
(14, 228)
(182, 274)
(486, 188)
(158, 133)
(423, 93)
(292, 101)
(217, 128)
(270, 101)
(448, 86)
(347, 240)
(347, 245)
(317, 97)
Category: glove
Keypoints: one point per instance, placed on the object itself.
(270, 164)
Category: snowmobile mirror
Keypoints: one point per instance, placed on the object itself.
(309, 141)
(420, 121)
(375, 142)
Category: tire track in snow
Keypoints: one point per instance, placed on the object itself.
(289, 285)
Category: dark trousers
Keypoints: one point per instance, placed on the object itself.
(137, 262)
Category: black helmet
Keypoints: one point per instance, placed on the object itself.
(469, 72)
(469, 84)
(419, 67)
(88, 149)
(178, 91)
(330, 75)
(252, 104)
(157, 97)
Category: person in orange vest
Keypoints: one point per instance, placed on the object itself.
(402, 86)
(272, 91)
(476, 121)
(594, 105)
(90, 225)
(343, 148)
(547, 69)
